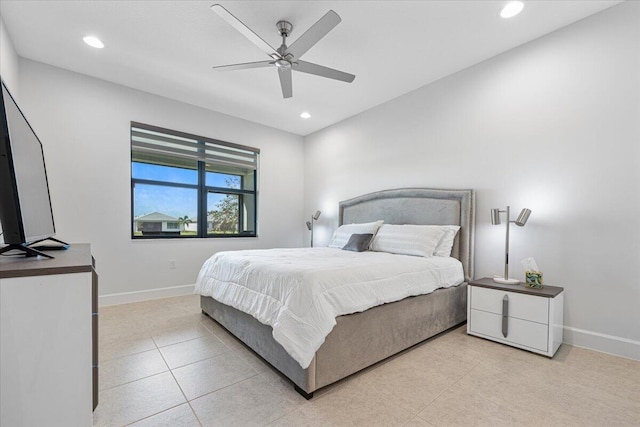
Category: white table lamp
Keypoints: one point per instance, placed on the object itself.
(520, 221)
(314, 218)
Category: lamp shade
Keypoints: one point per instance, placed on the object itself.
(495, 216)
(308, 225)
(316, 215)
(523, 217)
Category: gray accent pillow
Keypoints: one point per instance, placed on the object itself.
(342, 234)
(358, 242)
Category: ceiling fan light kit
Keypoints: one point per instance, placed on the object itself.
(287, 58)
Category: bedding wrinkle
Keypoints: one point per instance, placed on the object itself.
(300, 292)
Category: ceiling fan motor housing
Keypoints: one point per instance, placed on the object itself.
(283, 64)
(284, 27)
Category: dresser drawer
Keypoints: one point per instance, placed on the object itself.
(521, 332)
(521, 306)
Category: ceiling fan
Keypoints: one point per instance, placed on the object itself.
(287, 58)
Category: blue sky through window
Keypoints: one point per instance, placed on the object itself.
(164, 173)
(173, 201)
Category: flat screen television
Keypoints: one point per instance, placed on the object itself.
(25, 205)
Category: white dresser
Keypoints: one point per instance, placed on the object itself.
(515, 315)
(48, 339)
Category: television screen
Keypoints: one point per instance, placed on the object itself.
(25, 205)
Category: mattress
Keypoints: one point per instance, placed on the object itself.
(300, 292)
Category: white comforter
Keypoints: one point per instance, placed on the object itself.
(300, 292)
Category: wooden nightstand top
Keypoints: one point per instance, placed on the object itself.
(547, 291)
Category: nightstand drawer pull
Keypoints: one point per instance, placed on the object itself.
(505, 316)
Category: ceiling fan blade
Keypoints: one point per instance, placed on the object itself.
(314, 34)
(319, 70)
(244, 30)
(244, 66)
(285, 82)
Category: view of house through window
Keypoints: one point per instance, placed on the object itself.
(188, 186)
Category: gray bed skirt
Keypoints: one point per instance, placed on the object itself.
(357, 341)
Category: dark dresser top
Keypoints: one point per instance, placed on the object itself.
(76, 259)
(546, 291)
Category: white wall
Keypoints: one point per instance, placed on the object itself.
(8, 60)
(84, 126)
(553, 126)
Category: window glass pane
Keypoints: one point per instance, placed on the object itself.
(164, 211)
(223, 213)
(248, 181)
(165, 173)
(248, 214)
(231, 214)
(223, 180)
(230, 177)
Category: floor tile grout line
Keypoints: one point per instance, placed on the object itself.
(174, 377)
(177, 342)
(181, 390)
(101, 362)
(447, 388)
(193, 339)
(200, 360)
(133, 381)
(127, 355)
(225, 353)
(228, 349)
(195, 414)
(222, 388)
(284, 415)
(197, 397)
(157, 413)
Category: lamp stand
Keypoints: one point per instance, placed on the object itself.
(312, 221)
(310, 224)
(505, 280)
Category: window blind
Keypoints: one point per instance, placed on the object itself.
(151, 141)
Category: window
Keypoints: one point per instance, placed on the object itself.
(184, 185)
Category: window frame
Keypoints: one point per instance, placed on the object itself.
(201, 187)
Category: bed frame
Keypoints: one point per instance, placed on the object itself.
(361, 339)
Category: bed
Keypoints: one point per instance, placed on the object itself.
(362, 339)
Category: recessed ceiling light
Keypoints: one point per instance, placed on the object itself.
(93, 42)
(511, 9)
(305, 115)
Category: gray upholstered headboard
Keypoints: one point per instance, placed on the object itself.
(420, 206)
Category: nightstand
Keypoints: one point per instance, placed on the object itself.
(526, 318)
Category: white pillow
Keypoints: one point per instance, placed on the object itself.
(418, 240)
(343, 233)
(446, 243)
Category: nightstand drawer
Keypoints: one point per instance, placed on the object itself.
(521, 332)
(521, 306)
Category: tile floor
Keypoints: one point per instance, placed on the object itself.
(163, 363)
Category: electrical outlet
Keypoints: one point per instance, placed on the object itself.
(172, 264)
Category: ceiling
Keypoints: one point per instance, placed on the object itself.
(168, 48)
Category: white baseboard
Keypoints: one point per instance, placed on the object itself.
(146, 295)
(601, 342)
